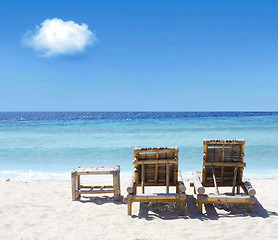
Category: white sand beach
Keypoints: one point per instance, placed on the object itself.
(44, 210)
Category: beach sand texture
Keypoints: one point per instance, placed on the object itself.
(44, 210)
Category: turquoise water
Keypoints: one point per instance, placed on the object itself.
(52, 144)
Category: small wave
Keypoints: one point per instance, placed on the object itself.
(33, 176)
(125, 175)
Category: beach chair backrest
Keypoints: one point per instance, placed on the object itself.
(156, 166)
(224, 159)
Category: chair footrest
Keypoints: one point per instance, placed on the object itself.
(156, 197)
(226, 199)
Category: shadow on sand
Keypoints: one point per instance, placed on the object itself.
(102, 200)
(170, 211)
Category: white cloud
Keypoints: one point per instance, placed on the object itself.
(57, 37)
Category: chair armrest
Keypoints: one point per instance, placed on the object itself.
(130, 188)
(251, 191)
(182, 187)
(197, 183)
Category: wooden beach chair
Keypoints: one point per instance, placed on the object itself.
(156, 167)
(223, 163)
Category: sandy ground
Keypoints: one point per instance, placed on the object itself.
(44, 210)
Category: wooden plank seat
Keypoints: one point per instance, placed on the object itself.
(223, 163)
(155, 167)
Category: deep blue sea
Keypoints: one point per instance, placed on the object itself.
(49, 145)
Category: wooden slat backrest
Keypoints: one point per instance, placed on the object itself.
(223, 156)
(153, 161)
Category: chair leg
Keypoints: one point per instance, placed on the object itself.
(238, 189)
(200, 207)
(129, 207)
(181, 207)
(249, 207)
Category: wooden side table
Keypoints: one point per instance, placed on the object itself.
(78, 189)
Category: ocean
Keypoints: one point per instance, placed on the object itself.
(49, 145)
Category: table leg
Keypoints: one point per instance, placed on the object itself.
(116, 185)
(73, 186)
(119, 184)
(78, 186)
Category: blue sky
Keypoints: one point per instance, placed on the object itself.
(148, 56)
